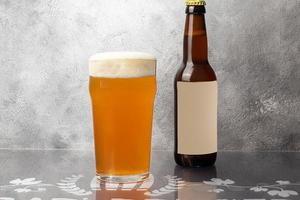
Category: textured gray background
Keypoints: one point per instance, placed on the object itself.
(45, 45)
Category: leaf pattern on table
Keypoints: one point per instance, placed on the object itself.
(22, 190)
(174, 184)
(283, 193)
(216, 190)
(27, 181)
(272, 190)
(259, 189)
(68, 185)
(280, 182)
(218, 181)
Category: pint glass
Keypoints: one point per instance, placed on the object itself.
(122, 89)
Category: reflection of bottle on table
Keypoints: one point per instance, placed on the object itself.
(195, 188)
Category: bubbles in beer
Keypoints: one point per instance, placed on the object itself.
(122, 65)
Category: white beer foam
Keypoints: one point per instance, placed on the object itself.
(122, 65)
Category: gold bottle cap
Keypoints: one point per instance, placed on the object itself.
(195, 2)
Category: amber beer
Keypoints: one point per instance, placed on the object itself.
(122, 89)
(195, 95)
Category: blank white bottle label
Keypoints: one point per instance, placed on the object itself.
(197, 117)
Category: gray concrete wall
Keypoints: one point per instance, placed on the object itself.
(45, 45)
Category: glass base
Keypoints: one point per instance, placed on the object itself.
(123, 179)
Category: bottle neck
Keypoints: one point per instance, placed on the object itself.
(195, 48)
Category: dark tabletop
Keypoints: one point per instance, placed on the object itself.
(69, 175)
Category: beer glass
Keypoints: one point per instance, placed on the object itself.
(122, 89)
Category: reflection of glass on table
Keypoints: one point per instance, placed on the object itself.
(106, 190)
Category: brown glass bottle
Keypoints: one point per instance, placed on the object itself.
(195, 122)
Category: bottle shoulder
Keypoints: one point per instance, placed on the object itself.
(191, 72)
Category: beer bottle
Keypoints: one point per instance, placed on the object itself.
(195, 95)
